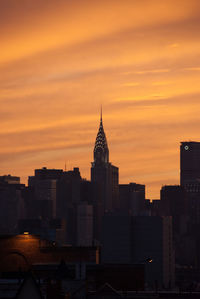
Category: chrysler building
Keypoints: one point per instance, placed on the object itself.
(104, 173)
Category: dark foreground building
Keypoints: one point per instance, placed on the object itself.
(21, 252)
(141, 239)
(11, 203)
(60, 272)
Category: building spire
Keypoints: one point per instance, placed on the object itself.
(101, 118)
(101, 152)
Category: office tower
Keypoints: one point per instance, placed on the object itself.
(11, 203)
(68, 192)
(190, 179)
(190, 162)
(68, 198)
(44, 185)
(104, 173)
(10, 179)
(132, 199)
(174, 203)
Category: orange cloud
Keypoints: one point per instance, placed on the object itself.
(61, 59)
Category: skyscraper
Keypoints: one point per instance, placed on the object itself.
(44, 185)
(190, 180)
(132, 198)
(190, 162)
(104, 173)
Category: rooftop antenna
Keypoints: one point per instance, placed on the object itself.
(101, 115)
(65, 166)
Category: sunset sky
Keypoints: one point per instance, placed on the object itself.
(61, 59)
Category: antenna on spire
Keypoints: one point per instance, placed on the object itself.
(65, 166)
(101, 114)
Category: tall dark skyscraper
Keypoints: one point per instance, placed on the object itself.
(190, 179)
(190, 162)
(104, 173)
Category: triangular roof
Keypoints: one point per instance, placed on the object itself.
(101, 142)
(106, 288)
(29, 289)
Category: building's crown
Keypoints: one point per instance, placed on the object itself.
(101, 151)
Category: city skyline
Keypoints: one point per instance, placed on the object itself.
(60, 60)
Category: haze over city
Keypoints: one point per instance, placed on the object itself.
(61, 60)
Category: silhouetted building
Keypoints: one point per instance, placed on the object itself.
(104, 173)
(174, 203)
(68, 192)
(11, 204)
(44, 188)
(10, 179)
(189, 162)
(132, 199)
(154, 207)
(190, 180)
(74, 203)
(47, 174)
